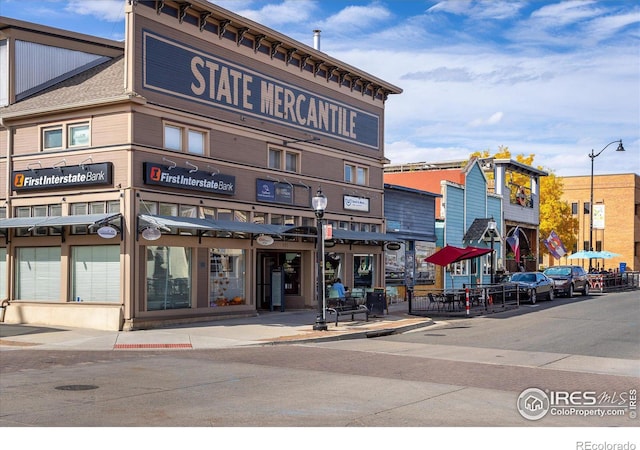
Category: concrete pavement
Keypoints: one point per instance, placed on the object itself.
(265, 328)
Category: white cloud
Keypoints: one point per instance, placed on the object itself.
(479, 9)
(492, 120)
(276, 15)
(109, 10)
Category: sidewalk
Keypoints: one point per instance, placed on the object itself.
(268, 328)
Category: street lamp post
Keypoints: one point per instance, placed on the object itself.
(319, 203)
(593, 156)
(492, 225)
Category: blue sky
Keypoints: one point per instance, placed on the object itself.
(554, 79)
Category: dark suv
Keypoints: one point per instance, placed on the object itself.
(568, 279)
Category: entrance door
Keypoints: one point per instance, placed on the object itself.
(266, 263)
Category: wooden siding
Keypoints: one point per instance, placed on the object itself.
(454, 215)
(475, 196)
(414, 212)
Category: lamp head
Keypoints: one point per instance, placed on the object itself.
(620, 147)
(319, 203)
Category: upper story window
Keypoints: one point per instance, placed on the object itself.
(181, 138)
(356, 174)
(67, 135)
(38, 211)
(574, 208)
(284, 160)
(100, 207)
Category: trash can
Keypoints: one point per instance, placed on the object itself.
(376, 303)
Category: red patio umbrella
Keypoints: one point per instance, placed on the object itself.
(450, 254)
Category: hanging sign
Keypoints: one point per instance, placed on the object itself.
(151, 234)
(264, 239)
(107, 232)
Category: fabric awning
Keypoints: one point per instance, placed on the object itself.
(450, 254)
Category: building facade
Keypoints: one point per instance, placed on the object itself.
(475, 194)
(411, 219)
(616, 219)
(169, 178)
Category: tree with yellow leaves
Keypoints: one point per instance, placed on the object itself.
(555, 214)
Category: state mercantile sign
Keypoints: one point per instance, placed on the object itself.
(183, 71)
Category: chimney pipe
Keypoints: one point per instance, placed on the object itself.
(316, 39)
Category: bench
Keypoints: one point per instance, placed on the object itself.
(348, 306)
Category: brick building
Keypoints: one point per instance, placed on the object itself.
(616, 221)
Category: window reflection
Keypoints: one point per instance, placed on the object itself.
(227, 277)
(168, 278)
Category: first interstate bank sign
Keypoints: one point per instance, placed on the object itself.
(63, 177)
(183, 71)
(195, 180)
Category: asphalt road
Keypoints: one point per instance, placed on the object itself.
(595, 325)
(458, 373)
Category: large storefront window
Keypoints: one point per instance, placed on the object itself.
(227, 277)
(38, 274)
(394, 265)
(425, 272)
(90, 264)
(363, 271)
(291, 268)
(168, 278)
(333, 268)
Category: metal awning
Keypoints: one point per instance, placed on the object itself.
(167, 223)
(58, 221)
(92, 220)
(349, 235)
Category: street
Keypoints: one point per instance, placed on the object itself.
(455, 373)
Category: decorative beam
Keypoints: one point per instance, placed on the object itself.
(203, 20)
(303, 61)
(365, 86)
(274, 48)
(316, 67)
(290, 52)
(222, 27)
(354, 81)
(183, 11)
(330, 71)
(159, 6)
(258, 40)
(241, 32)
(341, 78)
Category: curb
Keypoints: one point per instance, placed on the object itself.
(351, 335)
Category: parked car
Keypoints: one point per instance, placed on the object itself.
(533, 285)
(568, 279)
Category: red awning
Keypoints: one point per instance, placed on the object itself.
(450, 254)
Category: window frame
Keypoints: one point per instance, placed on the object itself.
(283, 155)
(65, 129)
(185, 138)
(353, 172)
